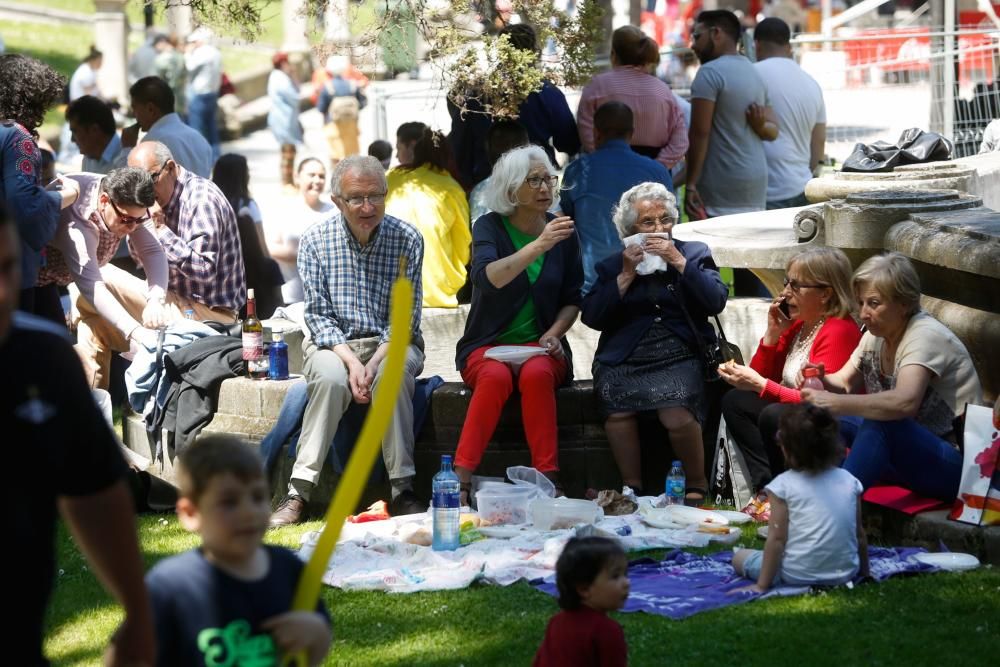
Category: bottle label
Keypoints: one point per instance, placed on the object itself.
(253, 346)
(445, 500)
(675, 487)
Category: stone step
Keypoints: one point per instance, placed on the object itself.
(929, 530)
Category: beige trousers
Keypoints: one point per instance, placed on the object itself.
(97, 338)
(330, 396)
(342, 136)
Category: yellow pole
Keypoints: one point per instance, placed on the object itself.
(365, 451)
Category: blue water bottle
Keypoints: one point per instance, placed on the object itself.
(445, 504)
(278, 358)
(675, 484)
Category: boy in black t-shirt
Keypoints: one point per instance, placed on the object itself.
(228, 601)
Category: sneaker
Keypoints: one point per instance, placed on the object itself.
(289, 511)
(407, 503)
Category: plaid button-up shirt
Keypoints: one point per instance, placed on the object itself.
(347, 285)
(202, 243)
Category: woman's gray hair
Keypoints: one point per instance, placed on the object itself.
(359, 165)
(891, 275)
(624, 215)
(509, 173)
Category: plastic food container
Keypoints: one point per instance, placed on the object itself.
(558, 513)
(504, 503)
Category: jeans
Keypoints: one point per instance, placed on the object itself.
(203, 116)
(791, 202)
(901, 452)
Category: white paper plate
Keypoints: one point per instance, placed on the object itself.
(681, 516)
(501, 532)
(953, 562)
(689, 515)
(734, 518)
(514, 354)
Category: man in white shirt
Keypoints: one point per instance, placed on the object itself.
(204, 68)
(797, 101)
(92, 124)
(153, 108)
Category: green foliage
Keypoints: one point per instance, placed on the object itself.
(471, 66)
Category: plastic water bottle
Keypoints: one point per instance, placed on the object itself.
(675, 484)
(811, 379)
(278, 357)
(445, 504)
(189, 314)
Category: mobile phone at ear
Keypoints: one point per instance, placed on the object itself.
(783, 307)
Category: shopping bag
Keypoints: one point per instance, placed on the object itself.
(730, 477)
(978, 500)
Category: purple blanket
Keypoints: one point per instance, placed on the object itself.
(684, 584)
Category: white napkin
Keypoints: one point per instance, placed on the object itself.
(650, 263)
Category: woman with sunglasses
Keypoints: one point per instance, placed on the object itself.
(526, 279)
(89, 233)
(810, 322)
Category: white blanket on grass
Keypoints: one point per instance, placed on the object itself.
(372, 556)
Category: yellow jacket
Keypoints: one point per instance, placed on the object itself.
(435, 203)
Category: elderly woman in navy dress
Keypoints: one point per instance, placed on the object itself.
(648, 354)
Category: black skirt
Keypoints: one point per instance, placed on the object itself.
(661, 372)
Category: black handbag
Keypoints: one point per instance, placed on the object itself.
(712, 354)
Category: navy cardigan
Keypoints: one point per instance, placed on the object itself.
(623, 321)
(494, 308)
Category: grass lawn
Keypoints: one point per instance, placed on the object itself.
(925, 620)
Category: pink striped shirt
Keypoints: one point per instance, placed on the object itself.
(659, 120)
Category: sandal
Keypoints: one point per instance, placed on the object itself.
(694, 496)
(465, 494)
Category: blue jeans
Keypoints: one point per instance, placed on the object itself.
(901, 452)
(203, 116)
(791, 202)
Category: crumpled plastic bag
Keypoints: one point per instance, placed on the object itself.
(913, 146)
(528, 476)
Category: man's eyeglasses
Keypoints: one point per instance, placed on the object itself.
(653, 223)
(535, 182)
(129, 219)
(796, 286)
(156, 174)
(359, 201)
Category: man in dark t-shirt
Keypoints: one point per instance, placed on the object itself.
(60, 456)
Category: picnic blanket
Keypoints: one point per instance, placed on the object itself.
(374, 555)
(684, 584)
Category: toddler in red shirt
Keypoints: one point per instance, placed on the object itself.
(592, 578)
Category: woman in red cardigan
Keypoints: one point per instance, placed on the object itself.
(819, 329)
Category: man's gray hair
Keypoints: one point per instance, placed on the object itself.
(129, 186)
(359, 165)
(624, 215)
(160, 152)
(509, 173)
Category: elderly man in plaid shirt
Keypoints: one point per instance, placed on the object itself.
(197, 228)
(348, 264)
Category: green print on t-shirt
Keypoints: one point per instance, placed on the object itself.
(234, 646)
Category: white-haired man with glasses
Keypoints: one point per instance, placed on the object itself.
(108, 209)
(348, 264)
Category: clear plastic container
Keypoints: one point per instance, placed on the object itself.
(504, 503)
(558, 513)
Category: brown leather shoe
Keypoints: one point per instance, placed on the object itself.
(289, 512)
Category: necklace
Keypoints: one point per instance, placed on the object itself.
(805, 342)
